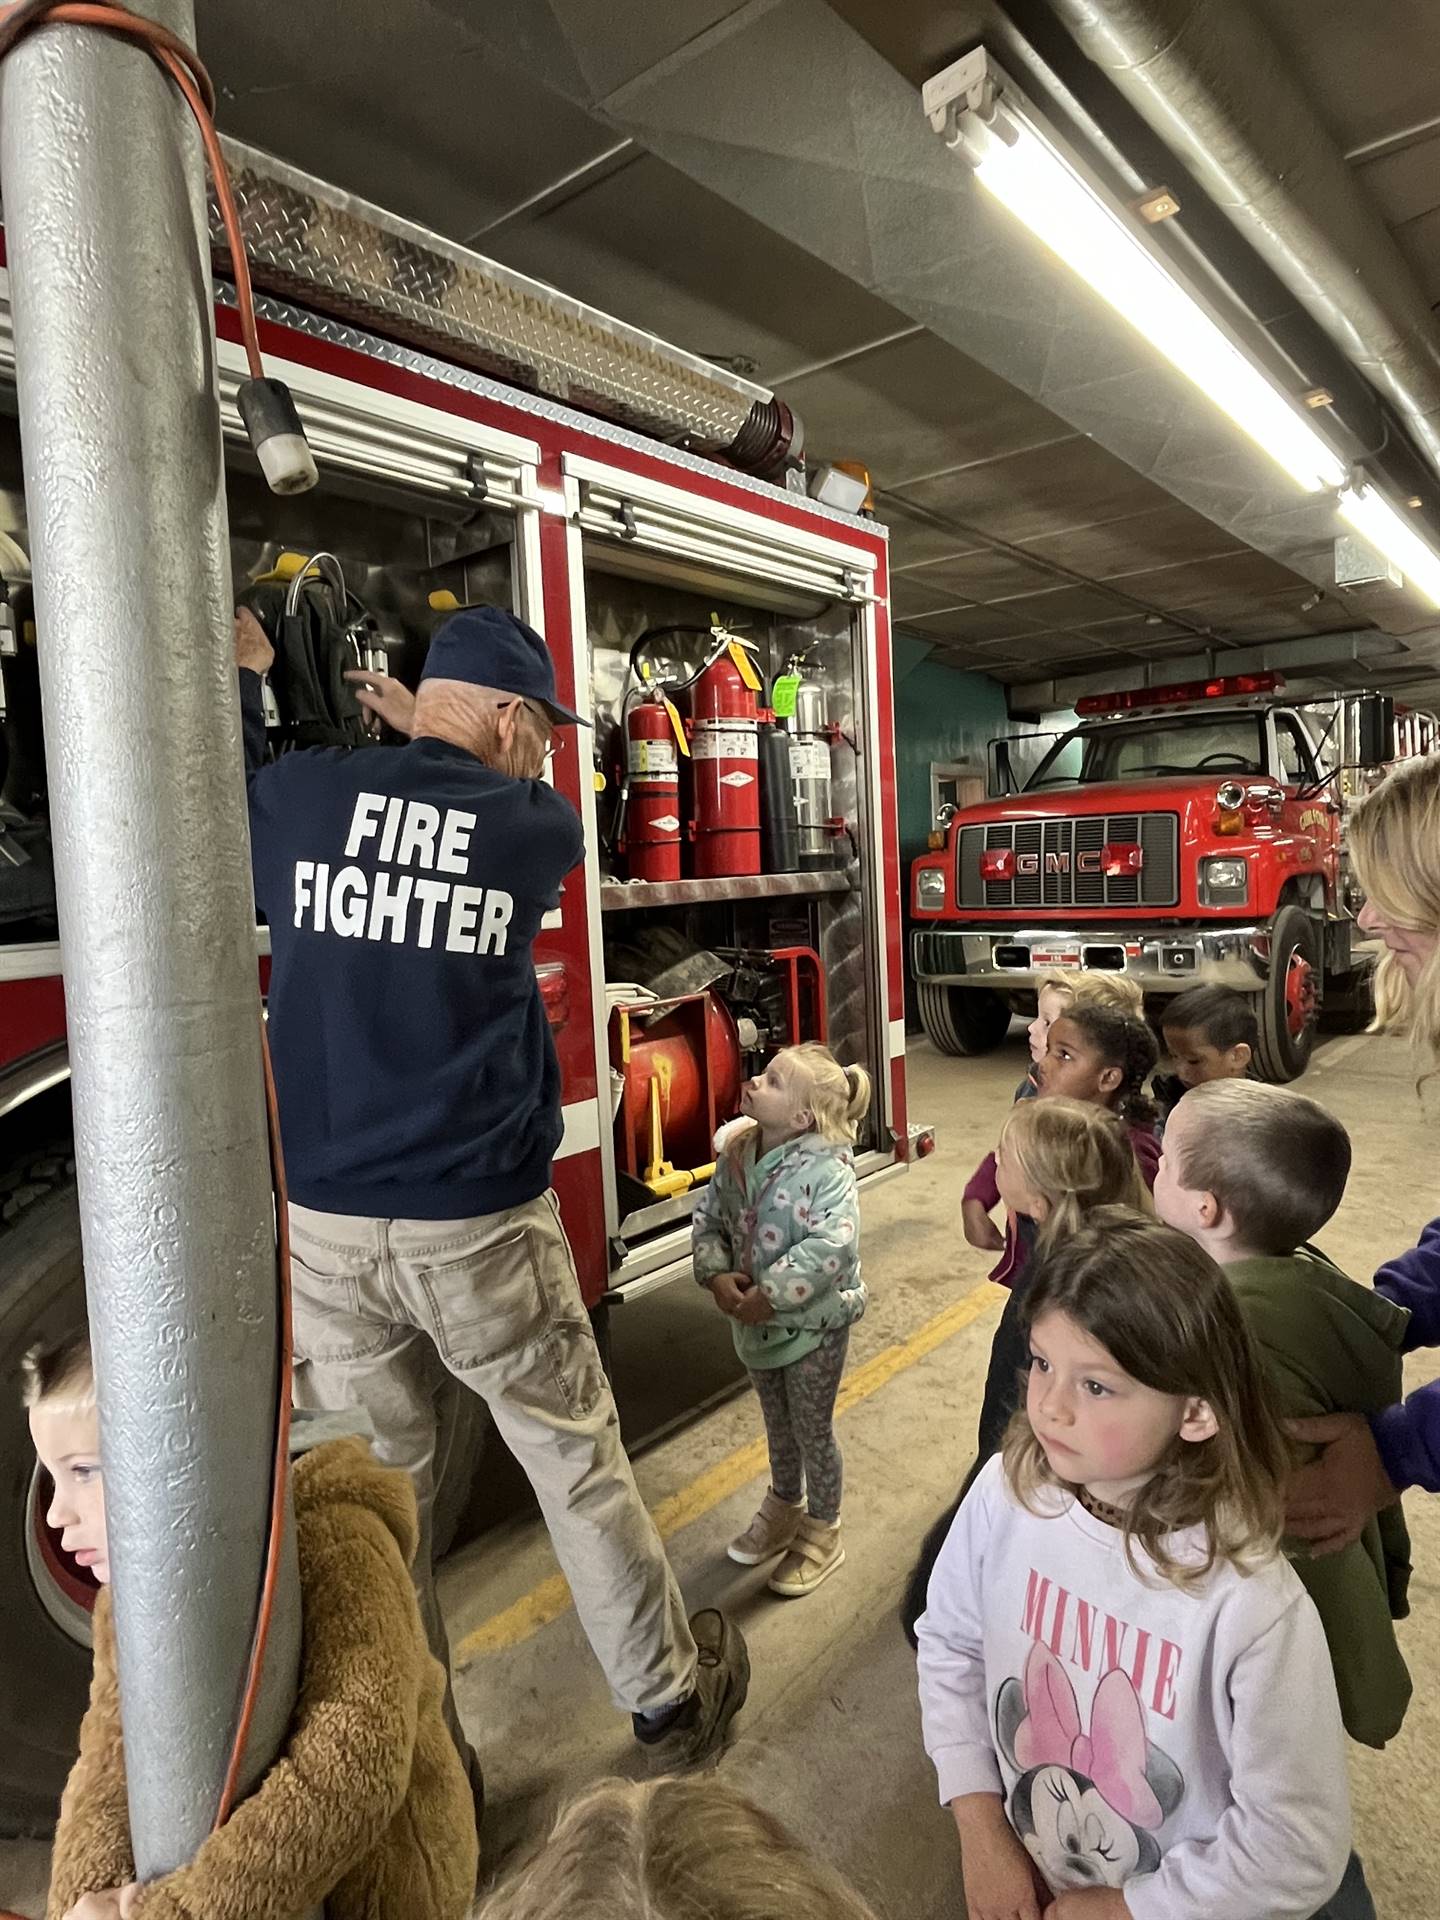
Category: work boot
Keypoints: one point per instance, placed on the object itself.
(697, 1730)
(817, 1552)
(769, 1533)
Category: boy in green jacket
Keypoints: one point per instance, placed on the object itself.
(1251, 1172)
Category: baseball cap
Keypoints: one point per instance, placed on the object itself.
(488, 647)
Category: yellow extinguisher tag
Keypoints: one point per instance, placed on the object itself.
(678, 726)
(744, 666)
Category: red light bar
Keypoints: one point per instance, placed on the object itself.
(1182, 694)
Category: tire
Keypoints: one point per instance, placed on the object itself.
(463, 1432)
(44, 1664)
(1287, 1031)
(962, 1020)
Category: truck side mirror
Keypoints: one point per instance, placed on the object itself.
(1374, 729)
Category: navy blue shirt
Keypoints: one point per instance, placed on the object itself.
(404, 886)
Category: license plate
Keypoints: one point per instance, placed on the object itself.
(1039, 959)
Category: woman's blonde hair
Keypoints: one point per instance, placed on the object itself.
(1394, 836)
(838, 1097)
(1167, 1315)
(672, 1850)
(1104, 989)
(1077, 1157)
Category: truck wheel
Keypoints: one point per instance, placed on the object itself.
(1288, 1009)
(45, 1647)
(962, 1020)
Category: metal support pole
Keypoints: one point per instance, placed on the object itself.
(114, 348)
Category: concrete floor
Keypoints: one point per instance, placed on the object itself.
(831, 1737)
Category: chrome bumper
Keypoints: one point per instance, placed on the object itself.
(1159, 961)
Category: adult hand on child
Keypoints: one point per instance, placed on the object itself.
(729, 1290)
(1000, 1880)
(980, 1230)
(754, 1308)
(1330, 1500)
(1089, 1903)
(111, 1903)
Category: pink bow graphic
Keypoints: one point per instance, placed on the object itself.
(1112, 1754)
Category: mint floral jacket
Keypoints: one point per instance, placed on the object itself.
(789, 1218)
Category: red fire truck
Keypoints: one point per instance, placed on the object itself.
(727, 633)
(1178, 835)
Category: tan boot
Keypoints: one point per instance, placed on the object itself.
(769, 1533)
(817, 1552)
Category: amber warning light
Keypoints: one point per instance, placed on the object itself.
(1182, 694)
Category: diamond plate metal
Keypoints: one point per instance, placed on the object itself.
(355, 262)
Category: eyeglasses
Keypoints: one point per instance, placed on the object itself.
(536, 713)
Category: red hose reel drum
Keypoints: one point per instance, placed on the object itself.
(725, 757)
(689, 1048)
(652, 813)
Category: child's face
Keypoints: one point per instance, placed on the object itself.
(68, 1444)
(773, 1100)
(1013, 1185)
(1100, 1428)
(1072, 1066)
(1049, 1007)
(1197, 1061)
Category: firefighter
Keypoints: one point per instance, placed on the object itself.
(419, 1098)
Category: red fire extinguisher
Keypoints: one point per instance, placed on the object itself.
(652, 810)
(725, 753)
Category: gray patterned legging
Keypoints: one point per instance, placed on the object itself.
(798, 1403)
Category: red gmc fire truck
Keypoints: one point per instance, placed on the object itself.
(727, 633)
(1178, 835)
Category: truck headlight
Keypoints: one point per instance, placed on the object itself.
(1224, 881)
(930, 887)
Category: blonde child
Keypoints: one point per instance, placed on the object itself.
(368, 1811)
(1123, 1685)
(1058, 1159)
(776, 1237)
(1056, 993)
(672, 1850)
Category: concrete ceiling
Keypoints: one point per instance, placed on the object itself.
(756, 182)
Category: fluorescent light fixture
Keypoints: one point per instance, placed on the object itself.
(1387, 530)
(981, 113)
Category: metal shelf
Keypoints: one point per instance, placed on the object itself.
(629, 896)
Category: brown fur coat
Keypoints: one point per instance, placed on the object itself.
(367, 1809)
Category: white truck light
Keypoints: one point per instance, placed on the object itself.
(1224, 880)
(930, 887)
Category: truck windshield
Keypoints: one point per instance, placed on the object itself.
(1197, 743)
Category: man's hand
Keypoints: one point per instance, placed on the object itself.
(980, 1230)
(754, 1308)
(1089, 1903)
(252, 643)
(114, 1903)
(729, 1290)
(1000, 1880)
(385, 698)
(1332, 1498)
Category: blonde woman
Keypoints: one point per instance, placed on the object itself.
(672, 1850)
(1367, 1464)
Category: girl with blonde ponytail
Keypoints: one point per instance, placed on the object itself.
(776, 1239)
(1057, 1161)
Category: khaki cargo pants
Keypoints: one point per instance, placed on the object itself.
(381, 1306)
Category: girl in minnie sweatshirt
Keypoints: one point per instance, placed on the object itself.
(777, 1241)
(1124, 1686)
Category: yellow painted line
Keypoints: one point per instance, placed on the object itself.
(546, 1602)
